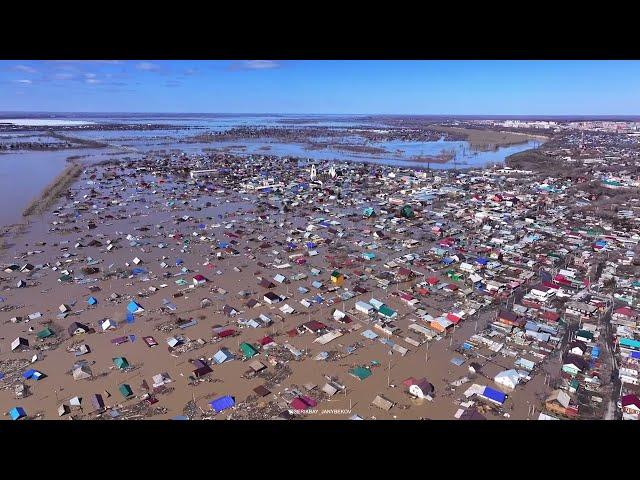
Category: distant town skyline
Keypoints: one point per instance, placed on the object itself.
(478, 87)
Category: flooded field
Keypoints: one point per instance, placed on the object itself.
(24, 174)
(33, 170)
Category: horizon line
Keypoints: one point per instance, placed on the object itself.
(477, 115)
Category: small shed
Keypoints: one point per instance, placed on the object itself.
(17, 413)
(125, 390)
(248, 350)
(382, 403)
(97, 401)
(121, 362)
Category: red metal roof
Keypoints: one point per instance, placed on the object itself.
(299, 404)
(626, 311)
(226, 333)
(409, 381)
(630, 399)
(453, 318)
(315, 325)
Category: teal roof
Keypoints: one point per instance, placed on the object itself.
(121, 362)
(386, 311)
(125, 390)
(248, 350)
(612, 182)
(360, 372)
(630, 343)
(584, 334)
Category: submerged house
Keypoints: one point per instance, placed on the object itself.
(97, 401)
(248, 350)
(507, 378)
(77, 328)
(121, 362)
(222, 403)
(19, 344)
(134, 307)
(421, 389)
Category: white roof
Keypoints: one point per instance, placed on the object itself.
(363, 305)
(507, 377)
(328, 337)
(376, 303)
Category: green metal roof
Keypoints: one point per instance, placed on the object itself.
(584, 334)
(120, 362)
(248, 350)
(360, 372)
(125, 390)
(47, 332)
(386, 311)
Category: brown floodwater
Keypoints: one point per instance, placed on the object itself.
(132, 209)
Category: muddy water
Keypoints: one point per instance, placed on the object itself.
(32, 171)
(144, 208)
(23, 176)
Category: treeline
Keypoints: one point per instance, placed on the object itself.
(78, 141)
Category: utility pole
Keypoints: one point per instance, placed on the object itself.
(389, 374)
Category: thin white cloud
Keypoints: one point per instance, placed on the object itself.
(64, 76)
(110, 62)
(24, 81)
(260, 64)
(148, 66)
(90, 75)
(25, 69)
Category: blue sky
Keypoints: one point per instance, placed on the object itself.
(320, 86)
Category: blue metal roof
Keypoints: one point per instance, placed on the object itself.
(533, 326)
(133, 306)
(17, 413)
(495, 395)
(222, 403)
